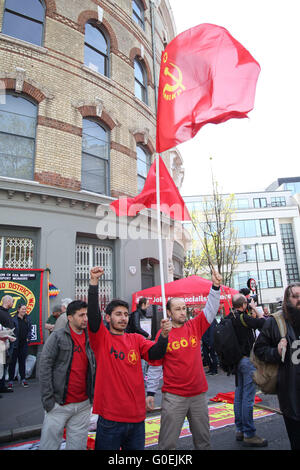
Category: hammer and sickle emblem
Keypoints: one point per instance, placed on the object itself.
(177, 80)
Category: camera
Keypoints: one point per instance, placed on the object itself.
(254, 297)
(245, 291)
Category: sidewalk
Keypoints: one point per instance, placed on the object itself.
(22, 414)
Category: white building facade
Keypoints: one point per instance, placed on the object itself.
(268, 229)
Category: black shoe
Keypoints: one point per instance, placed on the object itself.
(211, 372)
(6, 390)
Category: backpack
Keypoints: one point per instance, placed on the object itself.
(265, 375)
(227, 346)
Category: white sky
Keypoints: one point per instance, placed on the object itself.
(249, 154)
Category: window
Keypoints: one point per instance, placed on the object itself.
(254, 228)
(140, 81)
(267, 227)
(17, 137)
(88, 255)
(259, 202)
(96, 50)
(240, 204)
(294, 187)
(265, 252)
(24, 20)
(17, 252)
(143, 166)
(246, 228)
(138, 13)
(278, 201)
(270, 278)
(95, 157)
(289, 252)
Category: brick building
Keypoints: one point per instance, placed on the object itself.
(78, 84)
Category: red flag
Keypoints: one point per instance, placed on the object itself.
(171, 202)
(206, 76)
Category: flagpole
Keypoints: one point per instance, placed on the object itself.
(160, 252)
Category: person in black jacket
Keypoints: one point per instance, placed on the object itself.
(20, 346)
(136, 317)
(269, 347)
(245, 325)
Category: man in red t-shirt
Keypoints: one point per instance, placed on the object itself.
(67, 373)
(184, 382)
(119, 397)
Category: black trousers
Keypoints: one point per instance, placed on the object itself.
(20, 354)
(293, 431)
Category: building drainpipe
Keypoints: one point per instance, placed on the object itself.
(152, 7)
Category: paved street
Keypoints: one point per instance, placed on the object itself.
(21, 416)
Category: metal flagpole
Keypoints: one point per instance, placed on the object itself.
(160, 252)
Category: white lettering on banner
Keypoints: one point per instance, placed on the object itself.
(33, 333)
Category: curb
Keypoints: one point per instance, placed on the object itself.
(20, 433)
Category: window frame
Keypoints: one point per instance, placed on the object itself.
(27, 98)
(143, 86)
(27, 18)
(98, 51)
(148, 164)
(139, 20)
(107, 176)
(261, 204)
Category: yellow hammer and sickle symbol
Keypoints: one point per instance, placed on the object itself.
(177, 80)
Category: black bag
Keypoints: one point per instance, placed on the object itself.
(226, 346)
(130, 326)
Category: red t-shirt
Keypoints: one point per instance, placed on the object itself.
(119, 387)
(183, 372)
(76, 392)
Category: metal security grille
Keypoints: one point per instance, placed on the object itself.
(87, 256)
(16, 252)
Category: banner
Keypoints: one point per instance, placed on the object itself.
(25, 286)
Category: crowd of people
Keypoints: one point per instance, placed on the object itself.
(90, 362)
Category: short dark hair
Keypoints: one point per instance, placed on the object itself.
(21, 305)
(74, 306)
(142, 301)
(114, 304)
(245, 291)
(168, 306)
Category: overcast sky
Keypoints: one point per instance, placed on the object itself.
(249, 154)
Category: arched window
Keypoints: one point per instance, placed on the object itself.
(24, 20)
(138, 13)
(140, 81)
(143, 165)
(96, 50)
(17, 137)
(95, 157)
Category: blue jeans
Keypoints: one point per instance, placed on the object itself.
(244, 398)
(113, 435)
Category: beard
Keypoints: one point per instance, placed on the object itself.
(293, 315)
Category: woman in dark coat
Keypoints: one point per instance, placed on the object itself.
(22, 332)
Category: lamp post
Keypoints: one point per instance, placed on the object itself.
(258, 276)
